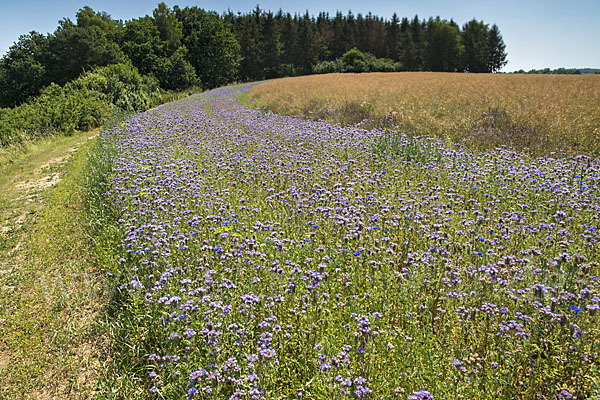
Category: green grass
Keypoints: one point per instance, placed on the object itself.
(51, 295)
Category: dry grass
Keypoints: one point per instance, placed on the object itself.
(541, 113)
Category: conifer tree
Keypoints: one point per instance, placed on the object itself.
(496, 50)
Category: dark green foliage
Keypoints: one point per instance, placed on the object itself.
(74, 48)
(309, 45)
(22, 69)
(496, 50)
(183, 48)
(169, 27)
(484, 49)
(411, 54)
(154, 47)
(142, 44)
(271, 45)
(275, 45)
(175, 72)
(122, 86)
(247, 33)
(212, 48)
(558, 71)
(82, 104)
(36, 61)
(443, 46)
(355, 60)
(190, 46)
(475, 39)
(56, 109)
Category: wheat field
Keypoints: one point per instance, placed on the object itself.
(535, 113)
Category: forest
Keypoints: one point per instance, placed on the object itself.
(179, 48)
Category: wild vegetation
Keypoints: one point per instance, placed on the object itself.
(276, 44)
(256, 255)
(356, 61)
(410, 235)
(92, 68)
(52, 294)
(85, 103)
(187, 47)
(531, 113)
(561, 71)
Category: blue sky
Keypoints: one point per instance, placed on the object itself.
(537, 33)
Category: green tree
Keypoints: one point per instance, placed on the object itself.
(288, 45)
(142, 44)
(271, 46)
(153, 44)
(338, 41)
(87, 17)
(475, 36)
(496, 50)
(355, 60)
(393, 37)
(175, 72)
(73, 48)
(443, 46)
(248, 36)
(169, 26)
(309, 45)
(212, 47)
(411, 46)
(22, 72)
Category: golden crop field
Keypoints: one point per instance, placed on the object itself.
(535, 113)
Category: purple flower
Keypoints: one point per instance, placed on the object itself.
(214, 200)
(458, 364)
(189, 333)
(420, 395)
(565, 394)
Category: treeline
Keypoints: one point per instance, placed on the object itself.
(178, 48)
(278, 44)
(184, 47)
(560, 71)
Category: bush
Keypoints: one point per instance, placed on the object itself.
(122, 86)
(356, 61)
(82, 104)
(328, 67)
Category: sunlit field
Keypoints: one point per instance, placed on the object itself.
(536, 113)
(261, 256)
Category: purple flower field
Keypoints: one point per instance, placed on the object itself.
(260, 256)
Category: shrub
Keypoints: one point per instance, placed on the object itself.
(356, 61)
(82, 104)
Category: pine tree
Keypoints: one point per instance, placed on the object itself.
(496, 50)
(271, 46)
(393, 37)
(475, 39)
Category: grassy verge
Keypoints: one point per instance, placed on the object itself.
(50, 293)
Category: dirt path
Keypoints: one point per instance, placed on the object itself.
(50, 293)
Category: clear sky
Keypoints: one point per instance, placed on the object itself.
(537, 33)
